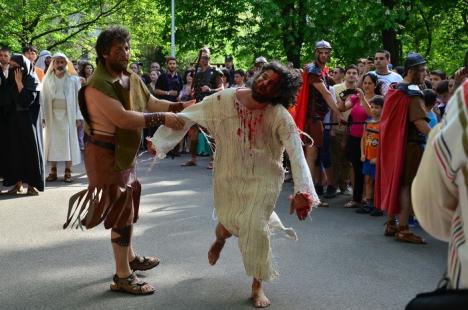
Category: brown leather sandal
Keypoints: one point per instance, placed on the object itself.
(67, 176)
(131, 285)
(52, 175)
(18, 188)
(144, 263)
(390, 228)
(405, 235)
(32, 191)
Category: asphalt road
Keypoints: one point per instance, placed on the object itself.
(341, 261)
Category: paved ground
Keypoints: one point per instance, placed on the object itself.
(342, 260)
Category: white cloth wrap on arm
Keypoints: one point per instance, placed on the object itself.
(165, 138)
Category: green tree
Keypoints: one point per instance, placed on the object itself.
(52, 23)
(277, 29)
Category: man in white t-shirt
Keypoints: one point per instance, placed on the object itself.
(389, 78)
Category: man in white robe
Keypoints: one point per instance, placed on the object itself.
(252, 128)
(61, 115)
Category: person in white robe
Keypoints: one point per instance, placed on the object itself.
(440, 188)
(252, 128)
(61, 114)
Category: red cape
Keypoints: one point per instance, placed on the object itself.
(299, 111)
(391, 152)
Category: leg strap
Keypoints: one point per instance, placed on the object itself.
(125, 234)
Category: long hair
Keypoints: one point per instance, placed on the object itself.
(289, 83)
(83, 66)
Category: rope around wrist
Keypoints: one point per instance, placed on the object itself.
(154, 119)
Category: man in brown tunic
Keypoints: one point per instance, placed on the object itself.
(116, 105)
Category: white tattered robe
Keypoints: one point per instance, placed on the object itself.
(248, 173)
(61, 138)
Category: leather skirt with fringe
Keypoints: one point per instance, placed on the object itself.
(112, 196)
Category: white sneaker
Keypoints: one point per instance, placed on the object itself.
(347, 192)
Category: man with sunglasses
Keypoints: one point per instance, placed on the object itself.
(338, 75)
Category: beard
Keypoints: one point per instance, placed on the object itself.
(117, 67)
(259, 97)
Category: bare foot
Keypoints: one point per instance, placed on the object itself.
(258, 295)
(215, 251)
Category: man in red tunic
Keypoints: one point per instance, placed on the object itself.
(403, 130)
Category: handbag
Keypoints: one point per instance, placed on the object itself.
(442, 298)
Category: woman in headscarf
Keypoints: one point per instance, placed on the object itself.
(25, 147)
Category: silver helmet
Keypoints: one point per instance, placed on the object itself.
(323, 44)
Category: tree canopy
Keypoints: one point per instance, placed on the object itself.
(277, 29)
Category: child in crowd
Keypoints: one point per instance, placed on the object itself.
(443, 93)
(369, 146)
(430, 100)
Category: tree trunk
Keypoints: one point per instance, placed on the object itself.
(293, 30)
(390, 41)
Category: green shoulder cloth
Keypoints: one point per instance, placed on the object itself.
(127, 141)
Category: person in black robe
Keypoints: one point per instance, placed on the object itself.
(5, 108)
(24, 156)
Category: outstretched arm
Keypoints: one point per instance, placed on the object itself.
(121, 118)
(290, 139)
(201, 113)
(327, 96)
(160, 105)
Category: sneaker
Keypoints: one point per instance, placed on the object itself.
(376, 212)
(364, 210)
(331, 192)
(323, 204)
(347, 191)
